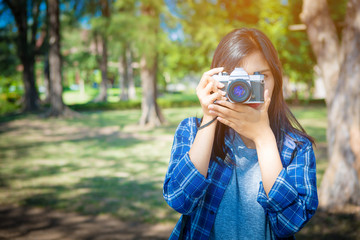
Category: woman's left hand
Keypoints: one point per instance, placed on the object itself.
(247, 121)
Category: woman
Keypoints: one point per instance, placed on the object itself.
(244, 171)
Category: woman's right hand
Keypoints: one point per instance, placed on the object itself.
(209, 91)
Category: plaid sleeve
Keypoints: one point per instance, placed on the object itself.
(293, 200)
(184, 185)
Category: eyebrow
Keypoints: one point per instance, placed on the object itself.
(261, 71)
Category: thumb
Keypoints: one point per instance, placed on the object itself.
(267, 100)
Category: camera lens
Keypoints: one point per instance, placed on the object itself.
(239, 91)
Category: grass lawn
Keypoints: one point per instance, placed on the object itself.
(103, 163)
(100, 163)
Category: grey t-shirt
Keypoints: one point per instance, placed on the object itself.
(240, 216)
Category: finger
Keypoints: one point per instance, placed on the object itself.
(211, 98)
(214, 71)
(218, 84)
(218, 114)
(226, 122)
(226, 104)
(267, 100)
(209, 88)
(223, 110)
(206, 79)
(233, 106)
(215, 87)
(203, 81)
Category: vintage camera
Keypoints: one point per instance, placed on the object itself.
(241, 87)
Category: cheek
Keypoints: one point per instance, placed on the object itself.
(269, 85)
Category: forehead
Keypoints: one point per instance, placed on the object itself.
(254, 62)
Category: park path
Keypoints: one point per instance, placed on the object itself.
(22, 223)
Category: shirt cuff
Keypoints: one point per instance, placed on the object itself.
(193, 183)
(282, 194)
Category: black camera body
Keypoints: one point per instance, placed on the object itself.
(240, 87)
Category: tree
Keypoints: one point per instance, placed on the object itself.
(293, 46)
(123, 28)
(150, 23)
(126, 74)
(57, 106)
(79, 55)
(339, 62)
(206, 22)
(100, 33)
(26, 46)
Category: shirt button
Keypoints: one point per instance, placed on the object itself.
(212, 212)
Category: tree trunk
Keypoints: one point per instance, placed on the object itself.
(151, 113)
(123, 75)
(324, 41)
(47, 83)
(26, 50)
(127, 84)
(102, 97)
(341, 181)
(31, 97)
(342, 178)
(57, 106)
(81, 82)
(130, 72)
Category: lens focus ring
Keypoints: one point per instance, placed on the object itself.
(239, 91)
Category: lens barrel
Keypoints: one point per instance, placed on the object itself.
(239, 91)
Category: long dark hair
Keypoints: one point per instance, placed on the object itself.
(230, 52)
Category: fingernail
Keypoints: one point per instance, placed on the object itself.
(223, 93)
(211, 106)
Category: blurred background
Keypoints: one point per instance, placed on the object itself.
(91, 93)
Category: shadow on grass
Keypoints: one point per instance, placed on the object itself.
(3, 182)
(43, 223)
(41, 171)
(97, 141)
(331, 226)
(125, 199)
(106, 118)
(93, 153)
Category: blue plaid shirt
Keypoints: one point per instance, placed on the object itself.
(292, 201)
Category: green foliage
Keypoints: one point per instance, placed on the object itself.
(10, 93)
(206, 22)
(293, 47)
(338, 11)
(165, 101)
(181, 35)
(8, 58)
(9, 103)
